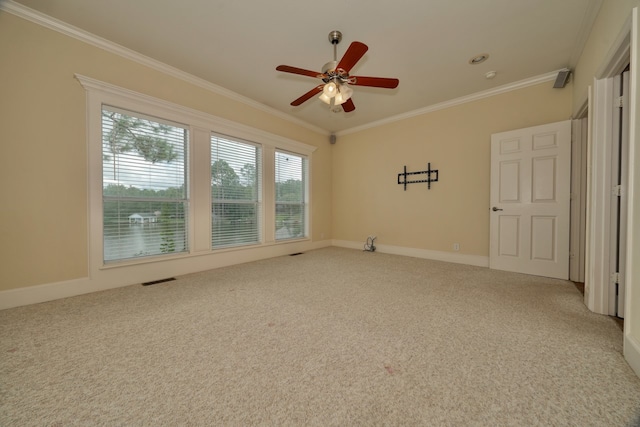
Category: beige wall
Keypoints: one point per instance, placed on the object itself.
(605, 31)
(368, 201)
(43, 175)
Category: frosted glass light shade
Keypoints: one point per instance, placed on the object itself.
(324, 98)
(330, 89)
(346, 92)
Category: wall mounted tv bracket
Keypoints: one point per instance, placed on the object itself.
(432, 176)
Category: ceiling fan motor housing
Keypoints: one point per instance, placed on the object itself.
(329, 70)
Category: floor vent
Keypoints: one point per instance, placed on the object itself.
(155, 282)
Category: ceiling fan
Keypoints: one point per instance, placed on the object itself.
(335, 90)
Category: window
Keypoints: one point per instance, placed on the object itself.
(235, 192)
(144, 192)
(164, 179)
(290, 195)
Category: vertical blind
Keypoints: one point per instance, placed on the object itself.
(236, 170)
(291, 197)
(145, 196)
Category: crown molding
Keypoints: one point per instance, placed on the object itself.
(54, 24)
(197, 117)
(457, 101)
(590, 15)
(39, 18)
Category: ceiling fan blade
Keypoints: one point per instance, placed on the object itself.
(351, 56)
(307, 96)
(348, 106)
(375, 82)
(295, 70)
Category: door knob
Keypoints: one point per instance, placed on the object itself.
(495, 209)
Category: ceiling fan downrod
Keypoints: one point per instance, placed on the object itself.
(329, 69)
(335, 37)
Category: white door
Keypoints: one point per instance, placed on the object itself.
(530, 183)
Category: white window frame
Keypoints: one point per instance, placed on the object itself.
(199, 177)
(258, 202)
(184, 200)
(305, 193)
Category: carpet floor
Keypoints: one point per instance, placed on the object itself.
(331, 337)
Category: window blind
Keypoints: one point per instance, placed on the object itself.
(291, 198)
(145, 196)
(236, 191)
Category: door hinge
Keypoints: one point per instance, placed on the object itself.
(617, 190)
(615, 278)
(620, 102)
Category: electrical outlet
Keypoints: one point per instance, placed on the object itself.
(456, 247)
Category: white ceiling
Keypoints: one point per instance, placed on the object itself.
(426, 44)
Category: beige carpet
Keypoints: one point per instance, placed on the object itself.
(330, 337)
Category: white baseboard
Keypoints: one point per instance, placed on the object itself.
(111, 278)
(103, 280)
(632, 353)
(43, 293)
(458, 258)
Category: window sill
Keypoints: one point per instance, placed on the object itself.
(192, 255)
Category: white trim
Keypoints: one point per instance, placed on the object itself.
(457, 101)
(101, 43)
(477, 260)
(42, 293)
(52, 291)
(632, 353)
(617, 57)
(588, 197)
(583, 111)
(632, 319)
(578, 196)
(599, 179)
(197, 118)
(199, 256)
(54, 24)
(599, 206)
(590, 15)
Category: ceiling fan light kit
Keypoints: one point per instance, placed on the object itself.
(335, 75)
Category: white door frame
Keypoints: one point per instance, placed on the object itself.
(626, 49)
(599, 183)
(619, 168)
(632, 301)
(579, 134)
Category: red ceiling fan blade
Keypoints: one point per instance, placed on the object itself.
(351, 56)
(307, 96)
(348, 106)
(295, 70)
(375, 82)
